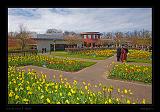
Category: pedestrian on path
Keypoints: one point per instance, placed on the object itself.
(118, 53)
(124, 52)
(45, 50)
(42, 50)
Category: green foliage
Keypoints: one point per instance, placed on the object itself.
(53, 63)
(30, 88)
(132, 73)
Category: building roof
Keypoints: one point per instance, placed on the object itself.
(90, 33)
(56, 36)
(48, 39)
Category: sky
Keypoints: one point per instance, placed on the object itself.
(80, 19)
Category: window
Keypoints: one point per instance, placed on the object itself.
(89, 36)
(84, 36)
(93, 36)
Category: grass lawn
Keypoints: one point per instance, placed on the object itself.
(66, 54)
(139, 60)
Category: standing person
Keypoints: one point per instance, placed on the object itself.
(124, 54)
(45, 50)
(118, 53)
(42, 50)
(126, 48)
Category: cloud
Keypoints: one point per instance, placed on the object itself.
(80, 19)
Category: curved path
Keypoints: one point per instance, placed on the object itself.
(96, 74)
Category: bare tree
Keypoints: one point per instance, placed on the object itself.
(23, 36)
(73, 39)
(118, 38)
(109, 35)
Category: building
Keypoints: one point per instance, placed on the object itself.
(90, 38)
(54, 41)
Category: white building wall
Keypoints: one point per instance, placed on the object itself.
(43, 44)
(46, 44)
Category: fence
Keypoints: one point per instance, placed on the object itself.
(22, 53)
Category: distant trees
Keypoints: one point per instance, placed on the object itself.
(135, 38)
(73, 39)
(50, 31)
(23, 36)
(118, 38)
(140, 38)
(69, 33)
(102, 42)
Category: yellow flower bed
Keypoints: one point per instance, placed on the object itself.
(106, 53)
(132, 72)
(28, 88)
(139, 54)
(53, 63)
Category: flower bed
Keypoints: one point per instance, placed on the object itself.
(96, 53)
(87, 54)
(139, 54)
(132, 72)
(28, 88)
(53, 63)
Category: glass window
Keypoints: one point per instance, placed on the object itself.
(89, 36)
(93, 36)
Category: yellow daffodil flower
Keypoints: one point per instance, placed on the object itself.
(48, 100)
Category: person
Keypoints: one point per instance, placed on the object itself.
(124, 52)
(42, 50)
(126, 48)
(118, 53)
(45, 50)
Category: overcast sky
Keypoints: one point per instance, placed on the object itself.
(80, 19)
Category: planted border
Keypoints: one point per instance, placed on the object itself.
(28, 88)
(52, 63)
(132, 73)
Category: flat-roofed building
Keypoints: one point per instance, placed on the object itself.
(50, 41)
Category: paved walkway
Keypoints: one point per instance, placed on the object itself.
(97, 73)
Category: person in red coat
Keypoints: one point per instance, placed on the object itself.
(124, 52)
